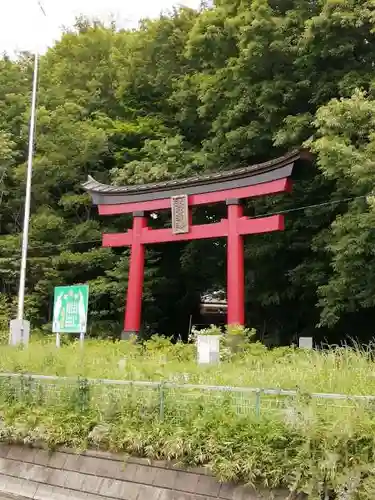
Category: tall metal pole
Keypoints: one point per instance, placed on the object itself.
(26, 220)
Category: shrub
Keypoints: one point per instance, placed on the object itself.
(319, 449)
(5, 313)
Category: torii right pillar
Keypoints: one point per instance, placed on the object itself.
(235, 266)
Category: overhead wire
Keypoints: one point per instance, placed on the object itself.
(41, 7)
(316, 205)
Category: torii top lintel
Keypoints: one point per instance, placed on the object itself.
(256, 180)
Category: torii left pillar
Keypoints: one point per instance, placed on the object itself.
(133, 311)
(235, 265)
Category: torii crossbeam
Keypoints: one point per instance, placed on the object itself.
(180, 196)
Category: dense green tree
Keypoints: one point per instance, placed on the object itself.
(345, 145)
(232, 84)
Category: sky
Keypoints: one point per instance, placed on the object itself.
(23, 26)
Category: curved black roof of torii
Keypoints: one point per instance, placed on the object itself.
(278, 168)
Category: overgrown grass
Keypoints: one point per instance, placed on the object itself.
(300, 444)
(349, 371)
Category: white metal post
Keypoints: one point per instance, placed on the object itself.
(26, 220)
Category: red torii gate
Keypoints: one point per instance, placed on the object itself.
(180, 196)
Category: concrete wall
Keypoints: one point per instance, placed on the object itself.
(62, 475)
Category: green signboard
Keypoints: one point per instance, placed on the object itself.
(70, 309)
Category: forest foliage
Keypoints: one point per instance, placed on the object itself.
(191, 92)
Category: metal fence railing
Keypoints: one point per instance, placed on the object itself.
(168, 400)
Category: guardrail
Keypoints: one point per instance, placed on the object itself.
(167, 399)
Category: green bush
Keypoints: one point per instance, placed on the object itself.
(5, 312)
(304, 447)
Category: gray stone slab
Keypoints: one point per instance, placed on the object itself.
(57, 460)
(38, 473)
(180, 495)
(4, 464)
(10, 496)
(21, 453)
(44, 492)
(88, 465)
(188, 496)
(57, 477)
(92, 484)
(128, 471)
(167, 495)
(24, 470)
(18, 486)
(41, 457)
(186, 482)
(149, 493)
(74, 480)
(106, 468)
(207, 485)
(165, 478)
(145, 474)
(112, 469)
(89, 496)
(63, 494)
(130, 491)
(66, 494)
(4, 450)
(100, 475)
(79, 495)
(12, 467)
(74, 462)
(2, 478)
(112, 488)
